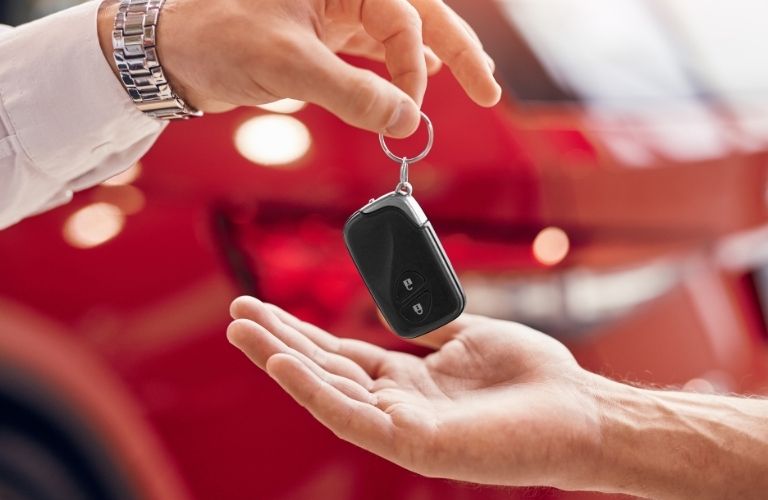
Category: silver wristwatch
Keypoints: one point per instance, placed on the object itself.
(135, 49)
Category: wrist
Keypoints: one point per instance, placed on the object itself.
(583, 462)
(574, 458)
(105, 23)
(188, 54)
(170, 57)
(633, 457)
(106, 26)
(666, 444)
(135, 59)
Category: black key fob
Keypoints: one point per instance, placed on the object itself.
(404, 265)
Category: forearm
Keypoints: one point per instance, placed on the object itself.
(67, 123)
(663, 444)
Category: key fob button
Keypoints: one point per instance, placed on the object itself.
(407, 284)
(417, 311)
(403, 265)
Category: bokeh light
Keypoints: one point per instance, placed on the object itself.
(273, 140)
(129, 199)
(551, 246)
(126, 177)
(93, 225)
(285, 106)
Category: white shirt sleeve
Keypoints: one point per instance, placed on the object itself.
(66, 123)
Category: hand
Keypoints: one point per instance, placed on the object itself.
(498, 403)
(247, 52)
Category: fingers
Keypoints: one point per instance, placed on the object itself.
(362, 45)
(368, 356)
(470, 31)
(249, 338)
(473, 34)
(397, 25)
(359, 97)
(359, 423)
(255, 311)
(260, 345)
(433, 62)
(455, 43)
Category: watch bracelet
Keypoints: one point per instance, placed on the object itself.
(134, 41)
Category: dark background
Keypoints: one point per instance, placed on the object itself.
(15, 12)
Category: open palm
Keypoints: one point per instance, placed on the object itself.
(497, 403)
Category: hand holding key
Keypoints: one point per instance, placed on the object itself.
(218, 55)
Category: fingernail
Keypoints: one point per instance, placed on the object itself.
(404, 121)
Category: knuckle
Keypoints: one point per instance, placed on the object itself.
(283, 39)
(285, 50)
(320, 357)
(411, 16)
(460, 55)
(312, 398)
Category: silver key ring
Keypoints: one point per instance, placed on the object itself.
(404, 159)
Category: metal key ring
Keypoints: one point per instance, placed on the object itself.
(404, 159)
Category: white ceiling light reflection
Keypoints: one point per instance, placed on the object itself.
(285, 106)
(273, 140)
(129, 199)
(551, 246)
(93, 225)
(126, 177)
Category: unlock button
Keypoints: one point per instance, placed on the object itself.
(409, 283)
(417, 311)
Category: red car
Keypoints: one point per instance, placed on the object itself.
(616, 200)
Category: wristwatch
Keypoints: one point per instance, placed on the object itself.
(134, 41)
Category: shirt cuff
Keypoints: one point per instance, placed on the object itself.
(61, 98)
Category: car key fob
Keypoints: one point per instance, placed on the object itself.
(404, 265)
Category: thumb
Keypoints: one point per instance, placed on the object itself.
(359, 97)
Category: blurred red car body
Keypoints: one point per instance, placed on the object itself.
(115, 374)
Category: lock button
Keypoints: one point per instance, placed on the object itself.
(417, 311)
(409, 283)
